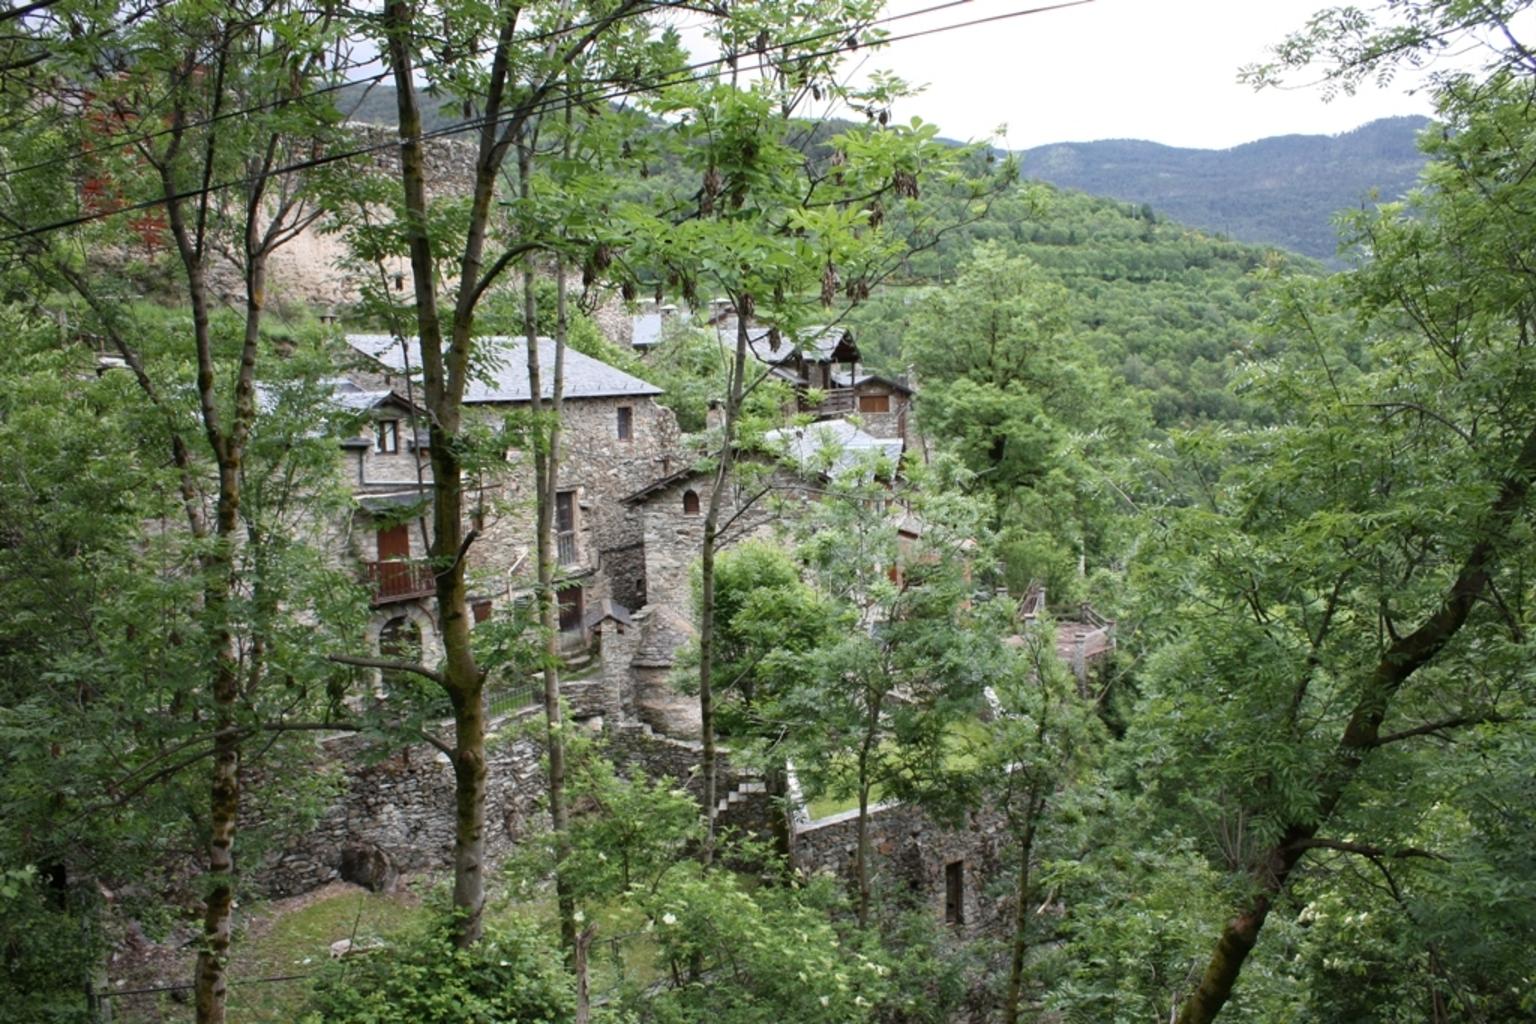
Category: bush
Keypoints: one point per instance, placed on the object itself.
(510, 977)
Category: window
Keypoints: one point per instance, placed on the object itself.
(482, 610)
(954, 892)
(386, 436)
(626, 423)
(874, 403)
(690, 503)
(565, 527)
(570, 601)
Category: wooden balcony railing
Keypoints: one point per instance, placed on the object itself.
(400, 581)
(834, 401)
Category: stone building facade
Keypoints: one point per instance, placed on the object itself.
(614, 439)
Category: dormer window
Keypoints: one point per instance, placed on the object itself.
(386, 436)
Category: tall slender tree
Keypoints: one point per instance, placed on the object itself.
(230, 103)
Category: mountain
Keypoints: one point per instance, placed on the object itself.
(1281, 191)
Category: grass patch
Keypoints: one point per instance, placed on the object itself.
(298, 942)
(292, 942)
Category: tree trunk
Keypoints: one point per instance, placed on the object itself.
(469, 813)
(546, 471)
(861, 855)
(1014, 1001)
(444, 379)
(1237, 940)
(707, 585)
(219, 580)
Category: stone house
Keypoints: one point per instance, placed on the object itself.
(615, 438)
(821, 364)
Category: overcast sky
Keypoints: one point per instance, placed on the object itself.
(1164, 70)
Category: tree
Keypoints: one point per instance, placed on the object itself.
(1009, 388)
(1349, 580)
(1037, 747)
(234, 104)
(883, 709)
(554, 60)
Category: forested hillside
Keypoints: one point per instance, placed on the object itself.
(1172, 310)
(1281, 191)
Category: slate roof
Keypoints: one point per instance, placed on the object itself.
(849, 380)
(503, 375)
(820, 344)
(662, 483)
(847, 443)
(607, 608)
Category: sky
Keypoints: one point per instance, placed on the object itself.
(1162, 70)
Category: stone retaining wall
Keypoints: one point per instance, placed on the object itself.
(402, 807)
(910, 855)
(397, 813)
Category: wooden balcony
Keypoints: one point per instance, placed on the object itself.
(834, 402)
(400, 581)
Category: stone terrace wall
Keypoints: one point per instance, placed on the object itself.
(403, 807)
(911, 851)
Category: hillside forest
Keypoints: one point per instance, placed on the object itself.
(1297, 785)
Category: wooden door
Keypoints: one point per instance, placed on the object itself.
(394, 543)
(392, 576)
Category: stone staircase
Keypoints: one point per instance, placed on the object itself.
(744, 790)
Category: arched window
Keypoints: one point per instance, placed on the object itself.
(690, 503)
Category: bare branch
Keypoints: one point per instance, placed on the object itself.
(388, 665)
(1429, 728)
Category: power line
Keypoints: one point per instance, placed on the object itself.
(547, 105)
(367, 81)
(450, 129)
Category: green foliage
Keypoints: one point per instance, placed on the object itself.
(511, 976)
(1011, 389)
(47, 950)
(1282, 597)
(103, 715)
(769, 954)
(625, 834)
(766, 620)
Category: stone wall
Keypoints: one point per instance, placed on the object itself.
(899, 419)
(601, 470)
(910, 855)
(403, 808)
(674, 536)
(398, 810)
